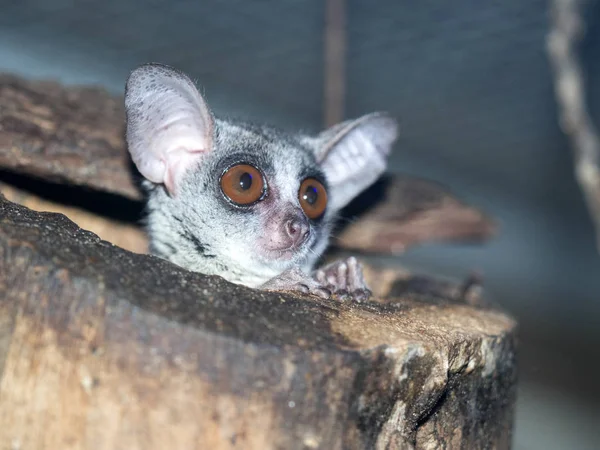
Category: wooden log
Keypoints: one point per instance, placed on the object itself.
(101, 348)
(401, 212)
(69, 135)
(127, 235)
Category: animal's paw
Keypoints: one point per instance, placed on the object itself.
(297, 281)
(345, 279)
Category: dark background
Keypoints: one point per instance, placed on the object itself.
(471, 86)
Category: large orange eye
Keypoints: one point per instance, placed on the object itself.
(243, 184)
(313, 198)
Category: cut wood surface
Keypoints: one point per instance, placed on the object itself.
(101, 348)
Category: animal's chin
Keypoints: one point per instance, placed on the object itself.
(287, 254)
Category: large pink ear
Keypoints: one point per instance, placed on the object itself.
(169, 126)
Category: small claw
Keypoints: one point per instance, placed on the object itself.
(322, 292)
(355, 274)
(361, 295)
(295, 280)
(343, 295)
(320, 276)
(344, 279)
(342, 276)
(331, 280)
(302, 288)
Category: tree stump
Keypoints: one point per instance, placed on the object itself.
(101, 348)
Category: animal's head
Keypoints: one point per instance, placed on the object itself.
(238, 200)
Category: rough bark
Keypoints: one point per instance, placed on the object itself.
(72, 135)
(102, 348)
(125, 234)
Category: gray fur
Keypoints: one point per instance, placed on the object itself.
(190, 221)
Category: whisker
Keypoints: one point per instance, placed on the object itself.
(347, 220)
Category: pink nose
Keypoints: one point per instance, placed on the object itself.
(297, 229)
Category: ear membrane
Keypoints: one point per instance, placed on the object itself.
(353, 154)
(169, 125)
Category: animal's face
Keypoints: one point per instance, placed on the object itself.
(236, 200)
(258, 202)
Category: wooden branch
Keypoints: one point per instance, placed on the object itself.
(334, 61)
(563, 40)
(69, 135)
(411, 211)
(102, 348)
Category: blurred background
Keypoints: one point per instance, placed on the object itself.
(472, 88)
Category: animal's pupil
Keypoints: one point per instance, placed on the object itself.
(310, 195)
(245, 181)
